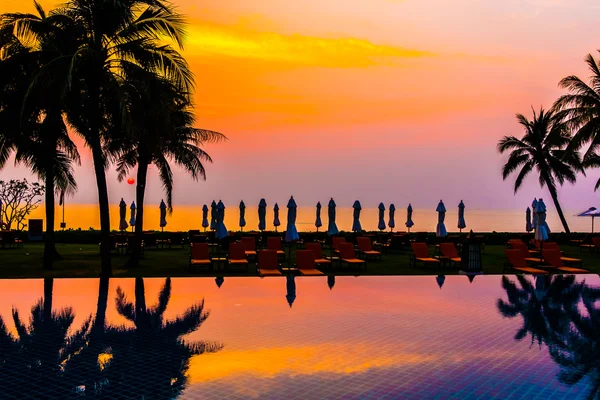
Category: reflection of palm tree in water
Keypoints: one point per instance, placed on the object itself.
(150, 359)
(541, 306)
(576, 347)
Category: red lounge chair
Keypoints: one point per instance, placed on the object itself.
(449, 250)
(552, 257)
(274, 244)
(305, 261)
(348, 255)
(237, 255)
(318, 252)
(249, 246)
(517, 244)
(365, 246)
(568, 260)
(268, 263)
(420, 252)
(199, 255)
(516, 261)
(594, 246)
(335, 243)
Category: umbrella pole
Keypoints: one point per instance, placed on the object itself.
(592, 224)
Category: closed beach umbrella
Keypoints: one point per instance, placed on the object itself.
(381, 223)
(391, 222)
(242, 215)
(205, 223)
(534, 208)
(290, 285)
(219, 281)
(213, 216)
(262, 215)
(332, 228)
(409, 222)
(440, 230)
(331, 281)
(461, 216)
(356, 217)
(122, 215)
(163, 215)
(528, 226)
(276, 221)
(132, 215)
(291, 233)
(440, 279)
(318, 222)
(221, 229)
(542, 230)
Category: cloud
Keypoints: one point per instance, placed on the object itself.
(241, 42)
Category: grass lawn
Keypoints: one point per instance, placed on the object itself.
(84, 261)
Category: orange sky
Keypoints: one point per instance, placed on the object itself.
(381, 100)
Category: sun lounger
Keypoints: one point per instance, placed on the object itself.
(237, 255)
(365, 246)
(517, 244)
(249, 246)
(568, 260)
(274, 244)
(449, 251)
(420, 253)
(268, 263)
(199, 255)
(348, 255)
(305, 261)
(318, 252)
(552, 257)
(516, 262)
(335, 243)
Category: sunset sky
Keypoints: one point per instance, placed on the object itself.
(380, 100)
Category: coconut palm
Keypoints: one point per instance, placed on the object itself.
(151, 358)
(33, 72)
(542, 149)
(164, 133)
(116, 38)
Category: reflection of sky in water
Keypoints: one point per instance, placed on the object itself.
(368, 336)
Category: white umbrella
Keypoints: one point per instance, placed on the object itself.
(221, 231)
(440, 230)
(542, 230)
(122, 215)
(276, 221)
(262, 215)
(534, 208)
(132, 218)
(242, 215)
(409, 222)
(381, 223)
(205, 223)
(332, 228)
(318, 222)
(291, 233)
(213, 216)
(356, 215)
(391, 222)
(528, 226)
(461, 216)
(163, 215)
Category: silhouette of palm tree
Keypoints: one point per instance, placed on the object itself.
(150, 358)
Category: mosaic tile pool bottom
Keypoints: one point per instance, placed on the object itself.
(301, 338)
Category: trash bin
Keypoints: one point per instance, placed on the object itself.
(471, 254)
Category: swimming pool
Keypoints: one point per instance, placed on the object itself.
(303, 337)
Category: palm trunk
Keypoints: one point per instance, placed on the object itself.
(105, 244)
(48, 289)
(554, 196)
(49, 246)
(140, 192)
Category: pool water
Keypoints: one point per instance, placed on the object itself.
(301, 338)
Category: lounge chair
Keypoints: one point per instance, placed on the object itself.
(268, 263)
(348, 255)
(568, 260)
(449, 250)
(335, 243)
(420, 252)
(237, 255)
(274, 244)
(517, 244)
(199, 255)
(305, 261)
(365, 247)
(318, 252)
(552, 257)
(516, 262)
(249, 247)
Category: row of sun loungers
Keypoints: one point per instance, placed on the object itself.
(547, 258)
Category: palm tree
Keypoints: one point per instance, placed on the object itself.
(151, 359)
(117, 36)
(542, 148)
(33, 72)
(164, 132)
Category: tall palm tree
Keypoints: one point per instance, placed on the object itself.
(163, 133)
(542, 148)
(33, 71)
(117, 36)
